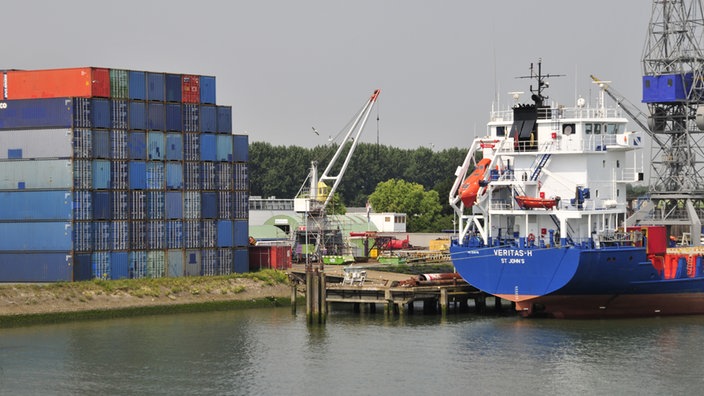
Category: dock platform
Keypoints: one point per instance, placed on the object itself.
(365, 289)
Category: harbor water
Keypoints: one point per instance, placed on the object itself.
(272, 352)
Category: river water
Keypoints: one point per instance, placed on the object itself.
(272, 352)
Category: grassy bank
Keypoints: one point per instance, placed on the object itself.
(24, 304)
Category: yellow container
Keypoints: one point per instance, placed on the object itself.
(439, 245)
(374, 253)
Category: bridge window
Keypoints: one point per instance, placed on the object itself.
(588, 128)
(500, 131)
(611, 129)
(618, 163)
(597, 129)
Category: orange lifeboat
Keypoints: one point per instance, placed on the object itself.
(470, 186)
(535, 203)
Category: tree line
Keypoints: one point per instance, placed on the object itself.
(280, 171)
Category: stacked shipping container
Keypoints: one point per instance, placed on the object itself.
(119, 173)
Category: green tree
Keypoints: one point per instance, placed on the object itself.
(422, 207)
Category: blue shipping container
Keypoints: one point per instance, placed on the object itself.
(173, 117)
(82, 267)
(118, 144)
(100, 113)
(156, 201)
(156, 234)
(119, 265)
(207, 89)
(118, 114)
(241, 261)
(224, 175)
(155, 175)
(82, 205)
(138, 235)
(82, 143)
(36, 267)
(207, 177)
(137, 85)
(120, 235)
(209, 262)
(155, 145)
(138, 175)
(101, 174)
(224, 119)
(137, 264)
(208, 119)
(100, 263)
(155, 86)
(156, 264)
(138, 205)
(174, 205)
(119, 175)
(102, 205)
(81, 113)
(38, 205)
(101, 144)
(241, 148)
(138, 115)
(241, 233)
(37, 113)
(172, 84)
(174, 234)
(208, 145)
(224, 235)
(137, 145)
(174, 176)
(174, 147)
(191, 147)
(209, 205)
(208, 232)
(156, 116)
(224, 148)
(40, 236)
(225, 260)
(190, 118)
(120, 205)
(82, 236)
(101, 235)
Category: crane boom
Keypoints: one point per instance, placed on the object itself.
(358, 126)
(633, 112)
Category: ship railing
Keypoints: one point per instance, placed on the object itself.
(619, 238)
(559, 111)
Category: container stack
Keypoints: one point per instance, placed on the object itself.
(115, 174)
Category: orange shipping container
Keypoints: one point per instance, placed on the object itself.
(84, 82)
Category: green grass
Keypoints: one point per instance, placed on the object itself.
(85, 291)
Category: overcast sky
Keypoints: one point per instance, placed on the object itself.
(287, 66)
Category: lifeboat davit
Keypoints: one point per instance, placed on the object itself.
(536, 203)
(470, 186)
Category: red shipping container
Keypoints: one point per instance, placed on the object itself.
(190, 87)
(269, 257)
(83, 82)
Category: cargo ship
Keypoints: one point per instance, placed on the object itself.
(542, 223)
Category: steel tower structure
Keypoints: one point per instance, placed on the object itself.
(673, 89)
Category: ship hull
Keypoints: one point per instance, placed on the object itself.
(579, 283)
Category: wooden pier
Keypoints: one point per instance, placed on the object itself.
(365, 290)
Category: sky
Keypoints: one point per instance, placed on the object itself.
(286, 67)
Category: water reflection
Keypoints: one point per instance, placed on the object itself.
(273, 352)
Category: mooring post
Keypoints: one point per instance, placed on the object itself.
(309, 299)
(389, 307)
(323, 298)
(293, 298)
(443, 301)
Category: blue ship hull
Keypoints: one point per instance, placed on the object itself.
(581, 282)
